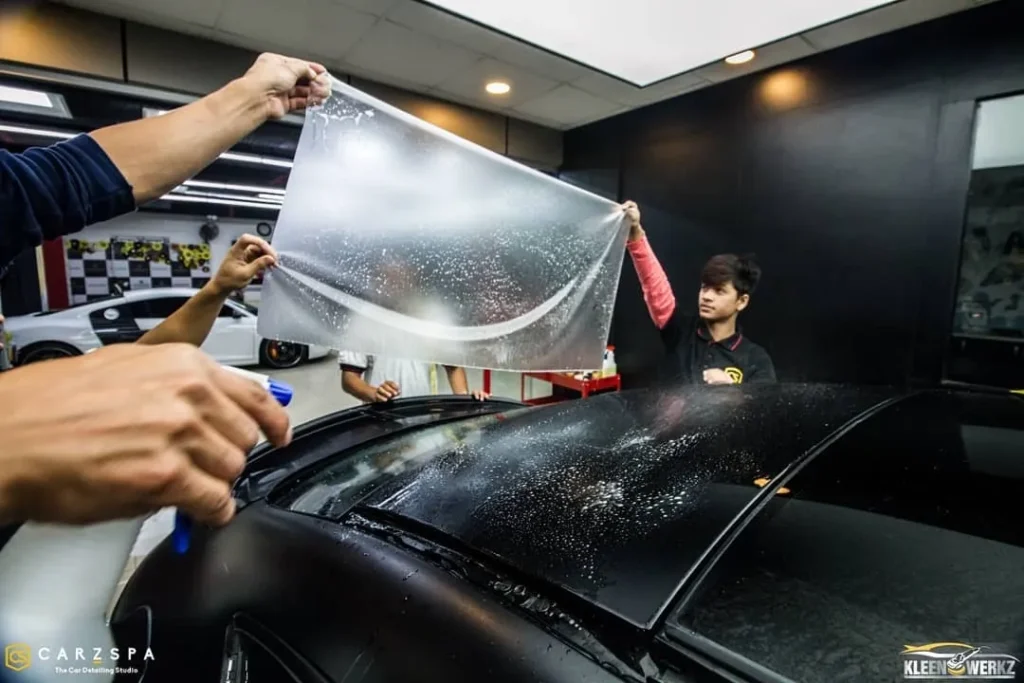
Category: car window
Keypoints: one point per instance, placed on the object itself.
(226, 312)
(906, 532)
(158, 307)
(334, 490)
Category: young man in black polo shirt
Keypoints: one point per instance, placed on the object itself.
(709, 347)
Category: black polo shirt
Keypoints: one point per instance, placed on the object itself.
(691, 351)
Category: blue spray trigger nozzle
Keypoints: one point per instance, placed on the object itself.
(281, 391)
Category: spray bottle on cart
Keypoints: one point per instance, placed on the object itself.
(56, 583)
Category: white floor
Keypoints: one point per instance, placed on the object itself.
(318, 392)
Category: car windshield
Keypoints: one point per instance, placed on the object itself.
(613, 498)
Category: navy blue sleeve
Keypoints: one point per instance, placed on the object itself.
(48, 192)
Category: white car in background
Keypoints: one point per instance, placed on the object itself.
(126, 317)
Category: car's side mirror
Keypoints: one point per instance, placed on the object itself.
(236, 314)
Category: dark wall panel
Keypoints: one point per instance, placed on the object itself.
(846, 173)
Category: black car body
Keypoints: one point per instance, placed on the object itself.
(752, 533)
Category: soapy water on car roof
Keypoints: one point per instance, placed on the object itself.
(400, 239)
(613, 498)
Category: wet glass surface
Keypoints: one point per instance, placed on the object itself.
(400, 239)
(906, 532)
(613, 497)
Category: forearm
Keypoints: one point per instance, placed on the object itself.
(158, 153)
(457, 379)
(191, 323)
(658, 295)
(354, 385)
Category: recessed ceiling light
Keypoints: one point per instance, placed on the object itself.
(29, 101)
(741, 58)
(498, 88)
(33, 98)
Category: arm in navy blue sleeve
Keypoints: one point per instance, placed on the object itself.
(48, 192)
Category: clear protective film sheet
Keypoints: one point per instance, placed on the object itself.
(397, 238)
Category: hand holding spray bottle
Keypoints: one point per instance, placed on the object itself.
(182, 536)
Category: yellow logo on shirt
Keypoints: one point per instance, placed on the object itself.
(735, 374)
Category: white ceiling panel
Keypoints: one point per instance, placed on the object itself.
(882, 20)
(621, 92)
(655, 39)
(568, 104)
(446, 26)
(525, 85)
(394, 50)
(322, 27)
(439, 24)
(539, 61)
(768, 56)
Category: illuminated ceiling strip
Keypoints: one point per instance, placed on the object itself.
(254, 159)
(40, 132)
(227, 202)
(32, 98)
(232, 186)
(227, 156)
(196, 193)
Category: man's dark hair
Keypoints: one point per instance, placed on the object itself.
(742, 271)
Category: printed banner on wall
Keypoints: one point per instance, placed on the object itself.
(400, 239)
(100, 268)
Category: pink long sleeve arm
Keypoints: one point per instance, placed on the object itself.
(661, 302)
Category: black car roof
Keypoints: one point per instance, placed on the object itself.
(617, 497)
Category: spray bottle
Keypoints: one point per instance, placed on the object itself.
(56, 583)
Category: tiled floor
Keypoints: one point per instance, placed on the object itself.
(318, 392)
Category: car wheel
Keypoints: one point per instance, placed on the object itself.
(46, 351)
(280, 354)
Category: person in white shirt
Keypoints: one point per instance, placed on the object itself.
(376, 379)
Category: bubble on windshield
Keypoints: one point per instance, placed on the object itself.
(400, 239)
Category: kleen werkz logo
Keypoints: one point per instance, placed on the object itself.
(957, 660)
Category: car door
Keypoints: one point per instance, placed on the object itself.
(116, 323)
(232, 339)
(150, 312)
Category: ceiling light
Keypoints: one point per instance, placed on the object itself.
(221, 195)
(741, 58)
(227, 156)
(33, 98)
(498, 88)
(28, 101)
(255, 159)
(38, 132)
(232, 186)
(228, 202)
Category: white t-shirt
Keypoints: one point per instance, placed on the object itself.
(412, 377)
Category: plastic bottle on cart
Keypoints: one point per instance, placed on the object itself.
(57, 582)
(608, 367)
